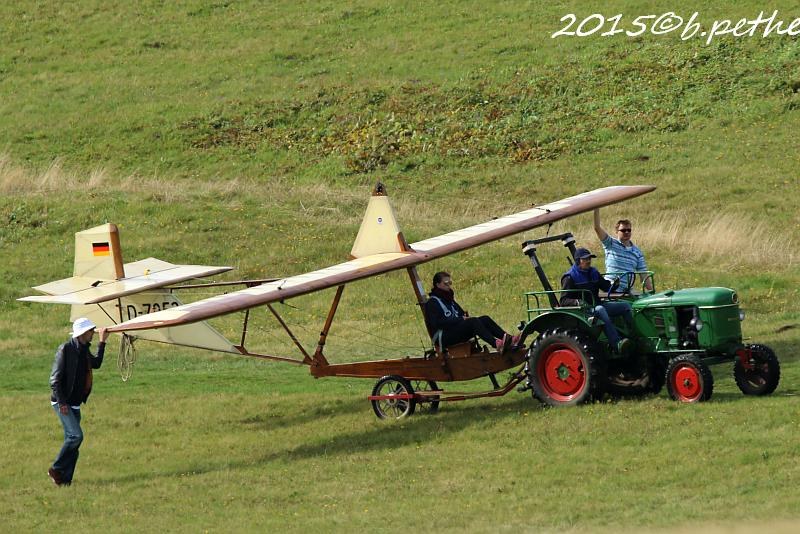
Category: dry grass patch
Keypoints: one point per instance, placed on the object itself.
(343, 202)
(730, 239)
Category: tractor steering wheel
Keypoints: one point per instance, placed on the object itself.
(614, 285)
(629, 277)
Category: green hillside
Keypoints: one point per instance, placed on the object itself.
(249, 134)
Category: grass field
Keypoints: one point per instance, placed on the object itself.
(250, 134)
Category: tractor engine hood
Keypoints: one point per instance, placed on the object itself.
(694, 296)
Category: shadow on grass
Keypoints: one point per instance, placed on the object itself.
(395, 434)
(787, 350)
(421, 428)
(378, 437)
(329, 409)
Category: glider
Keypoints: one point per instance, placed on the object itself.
(101, 280)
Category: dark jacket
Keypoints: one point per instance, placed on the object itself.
(441, 314)
(65, 365)
(575, 280)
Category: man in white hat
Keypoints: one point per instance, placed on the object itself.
(71, 383)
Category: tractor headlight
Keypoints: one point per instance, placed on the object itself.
(735, 298)
(741, 315)
(696, 323)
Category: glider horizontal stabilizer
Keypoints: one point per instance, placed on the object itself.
(146, 274)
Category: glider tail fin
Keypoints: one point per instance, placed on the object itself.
(379, 231)
(98, 254)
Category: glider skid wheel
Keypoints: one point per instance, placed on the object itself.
(126, 357)
(756, 370)
(391, 408)
(428, 406)
(689, 379)
(564, 368)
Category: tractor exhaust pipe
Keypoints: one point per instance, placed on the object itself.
(529, 249)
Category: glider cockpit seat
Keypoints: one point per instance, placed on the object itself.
(459, 350)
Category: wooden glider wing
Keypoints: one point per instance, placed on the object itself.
(381, 262)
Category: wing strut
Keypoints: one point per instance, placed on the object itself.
(244, 328)
(306, 357)
(244, 352)
(319, 358)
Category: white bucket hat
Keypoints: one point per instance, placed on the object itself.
(81, 326)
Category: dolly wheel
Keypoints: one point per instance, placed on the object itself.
(689, 379)
(756, 370)
(393, 408)
(426, 406)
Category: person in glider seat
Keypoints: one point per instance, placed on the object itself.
(450, 324)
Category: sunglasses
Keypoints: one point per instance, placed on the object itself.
(625, 230)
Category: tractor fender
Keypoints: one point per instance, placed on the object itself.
(559, 320)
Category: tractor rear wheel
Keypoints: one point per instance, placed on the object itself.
(658, 372)
(689, 379)
(636, 378)
(391, 408)
(564, 368)
(761, 372)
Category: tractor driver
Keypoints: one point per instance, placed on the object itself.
(447, 319)
(583, 281)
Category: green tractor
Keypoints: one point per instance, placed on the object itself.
(676, 336)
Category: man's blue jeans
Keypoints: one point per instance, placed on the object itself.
(605, 311)
(73, 436)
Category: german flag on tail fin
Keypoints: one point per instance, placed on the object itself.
(101, 249)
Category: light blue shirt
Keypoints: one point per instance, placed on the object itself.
(622, 259)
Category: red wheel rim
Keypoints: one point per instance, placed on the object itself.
(561, 372)
(687, 383)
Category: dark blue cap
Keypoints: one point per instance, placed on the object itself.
(583, 253)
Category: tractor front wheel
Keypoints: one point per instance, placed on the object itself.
(564, 368)
(689, 379)
(756, 370)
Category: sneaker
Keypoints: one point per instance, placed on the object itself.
(623, 345)
(55, 476)
(498, 343)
